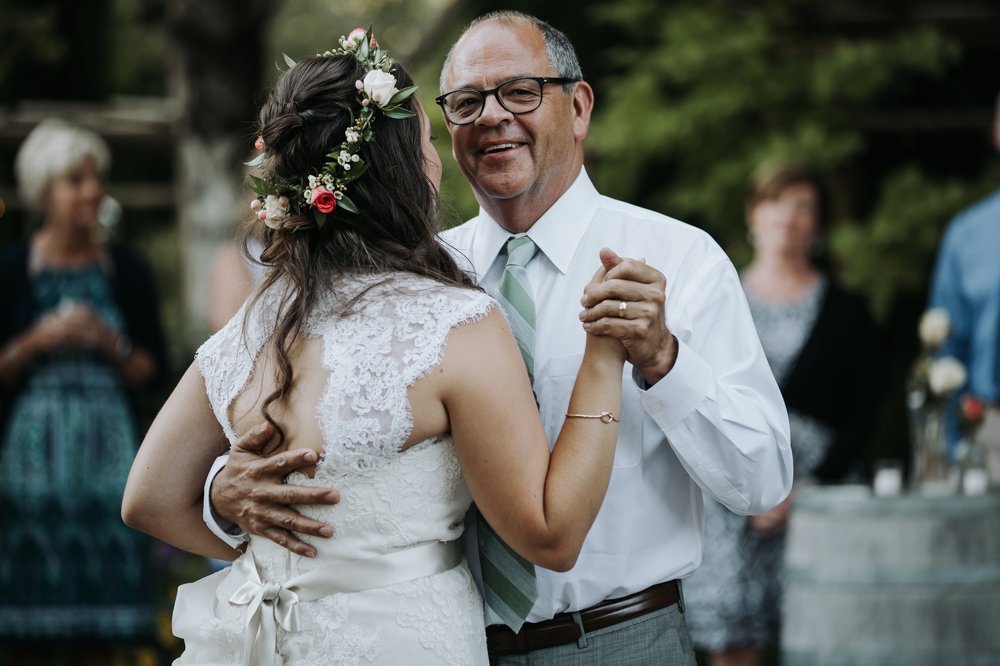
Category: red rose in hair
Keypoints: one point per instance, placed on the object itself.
(323, 199)
(259, 143)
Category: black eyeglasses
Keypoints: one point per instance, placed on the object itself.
(524, 95)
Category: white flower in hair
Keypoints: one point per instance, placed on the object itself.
(380, 86)
(275, 211)
(325, 192)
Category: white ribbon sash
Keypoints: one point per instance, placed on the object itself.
(271, 604)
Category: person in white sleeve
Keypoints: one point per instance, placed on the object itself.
(701, 412)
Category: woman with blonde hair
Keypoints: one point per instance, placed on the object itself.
(79, 331)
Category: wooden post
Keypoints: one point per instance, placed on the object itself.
(218, 56)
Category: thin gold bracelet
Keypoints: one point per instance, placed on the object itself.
(605, 417)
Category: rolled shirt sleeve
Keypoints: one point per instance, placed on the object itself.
(719, 407)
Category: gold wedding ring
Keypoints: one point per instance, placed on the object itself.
(621, 309)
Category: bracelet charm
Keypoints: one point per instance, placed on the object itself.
(604, 417)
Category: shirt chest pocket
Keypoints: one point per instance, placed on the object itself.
(556, 390)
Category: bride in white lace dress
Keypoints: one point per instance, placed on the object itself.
(368, 345)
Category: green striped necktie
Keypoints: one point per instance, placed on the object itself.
(509, 579)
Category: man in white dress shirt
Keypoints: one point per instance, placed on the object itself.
(700, 409)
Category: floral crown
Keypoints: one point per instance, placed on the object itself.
(324, 191)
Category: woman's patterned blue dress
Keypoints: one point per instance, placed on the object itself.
(69, 567)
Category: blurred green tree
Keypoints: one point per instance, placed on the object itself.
(54, 49)
(705, 92)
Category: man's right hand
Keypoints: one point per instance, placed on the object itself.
(249, 492)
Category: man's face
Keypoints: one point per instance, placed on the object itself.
(501, 154)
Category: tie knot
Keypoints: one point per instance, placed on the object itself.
(520, 251)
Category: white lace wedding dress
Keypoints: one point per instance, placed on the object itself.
(393, 504)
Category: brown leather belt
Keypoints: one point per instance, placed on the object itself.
(563, 629)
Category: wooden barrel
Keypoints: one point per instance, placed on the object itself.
(905, 581)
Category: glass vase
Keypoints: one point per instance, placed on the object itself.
(931, 472)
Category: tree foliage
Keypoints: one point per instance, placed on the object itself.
(893, 252)
(704, 93)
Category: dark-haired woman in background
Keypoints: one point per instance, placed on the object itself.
(387, 342)
(822, 347)
(79, 330)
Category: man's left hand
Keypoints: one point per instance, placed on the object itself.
(641, 325)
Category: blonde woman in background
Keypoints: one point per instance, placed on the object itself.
(79, 332)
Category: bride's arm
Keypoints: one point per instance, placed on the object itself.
(163, 494)
(541, 504)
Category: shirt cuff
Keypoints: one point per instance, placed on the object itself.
(228, 532)
(673, 398)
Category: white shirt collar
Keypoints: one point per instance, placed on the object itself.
(557, 233)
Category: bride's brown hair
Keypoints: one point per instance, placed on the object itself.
(395, 229)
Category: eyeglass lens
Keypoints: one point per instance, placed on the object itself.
(517, 96)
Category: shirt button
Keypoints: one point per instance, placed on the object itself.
(656, 409)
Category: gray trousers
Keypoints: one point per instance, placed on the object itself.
(659, 638)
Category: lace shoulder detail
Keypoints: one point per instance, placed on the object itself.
(394, 335)
(226, 359)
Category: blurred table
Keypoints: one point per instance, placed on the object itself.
(902, 581)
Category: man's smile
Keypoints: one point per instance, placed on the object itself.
(501, 148)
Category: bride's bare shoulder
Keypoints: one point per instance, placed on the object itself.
(479, 342)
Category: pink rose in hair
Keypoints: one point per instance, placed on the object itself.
(323, 199)
(357, 35)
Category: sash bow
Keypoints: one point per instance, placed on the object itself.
(271, 605)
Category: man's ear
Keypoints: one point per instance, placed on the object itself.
(583, 106)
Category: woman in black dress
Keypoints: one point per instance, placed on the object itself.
(822, 347)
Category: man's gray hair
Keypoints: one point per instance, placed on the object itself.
(53, 149)
(558, 48)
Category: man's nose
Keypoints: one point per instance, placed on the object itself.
(493, 113)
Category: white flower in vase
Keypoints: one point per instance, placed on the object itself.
(935, 327)
(945, 375)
